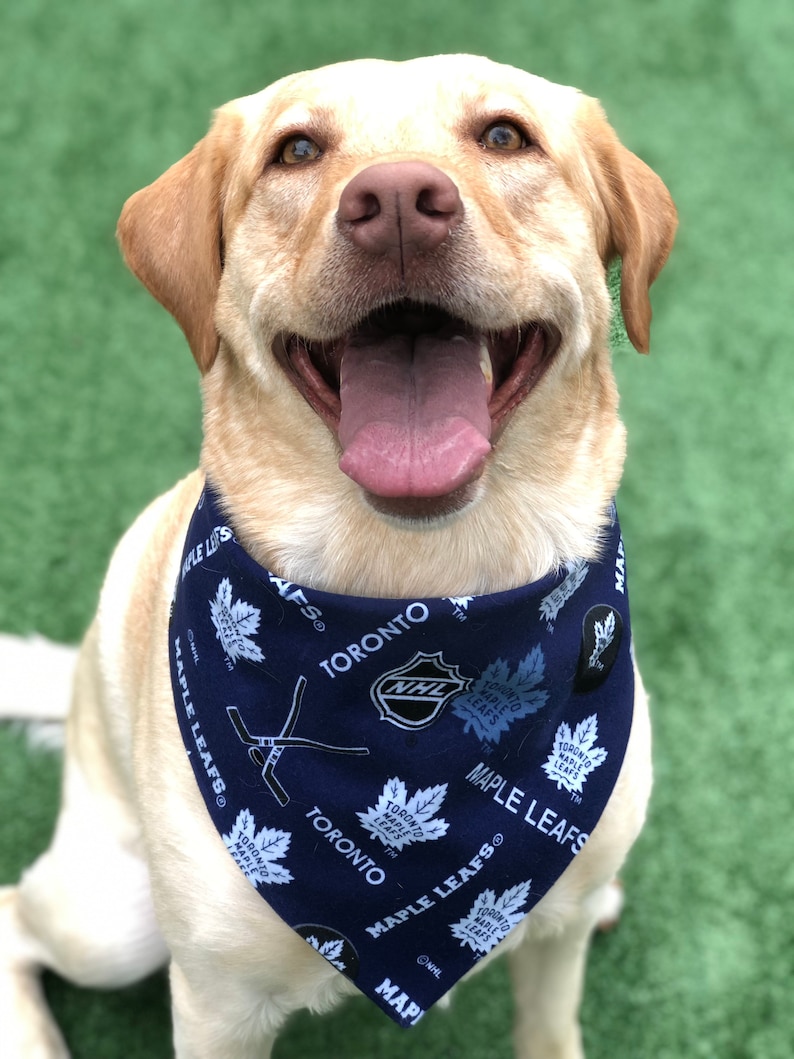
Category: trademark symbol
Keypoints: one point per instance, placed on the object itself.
(576, 799)
(319, 626)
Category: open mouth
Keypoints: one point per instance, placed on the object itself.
(417, 397)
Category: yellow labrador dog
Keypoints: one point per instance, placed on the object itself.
(392, 278)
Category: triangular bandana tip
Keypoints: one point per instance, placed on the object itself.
(402, 780)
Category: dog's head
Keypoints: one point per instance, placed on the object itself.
(408, 260)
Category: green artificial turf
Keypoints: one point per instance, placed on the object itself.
(99, 411)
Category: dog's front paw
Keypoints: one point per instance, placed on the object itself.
(27, 1031)
(568, 1046)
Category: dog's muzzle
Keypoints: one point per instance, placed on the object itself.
(416, 395)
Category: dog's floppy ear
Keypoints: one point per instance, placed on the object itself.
(641, 222)
(171, 235)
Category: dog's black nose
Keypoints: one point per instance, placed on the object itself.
(399, 209)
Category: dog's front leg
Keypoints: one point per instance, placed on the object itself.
(547, 980)
(84, 908)
(237, 971)
(28, 1030)
(547, 972)
(213, 1017)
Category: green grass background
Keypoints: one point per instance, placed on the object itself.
(99, 411)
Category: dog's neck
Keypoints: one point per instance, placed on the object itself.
(299, 516)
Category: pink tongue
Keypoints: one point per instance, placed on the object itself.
(414, 424)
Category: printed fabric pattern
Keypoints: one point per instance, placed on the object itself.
(402, 780)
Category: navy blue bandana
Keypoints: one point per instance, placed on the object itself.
(402, 780)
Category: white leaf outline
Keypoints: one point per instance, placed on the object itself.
(331, 950)
(426, 803)
(255, 853)
(415, 824)
(604, 632)
(571, 770)
(519, 696)
(235, 623)
(482, 933)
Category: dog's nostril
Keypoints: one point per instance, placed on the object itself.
(365, 208)
(438, 201)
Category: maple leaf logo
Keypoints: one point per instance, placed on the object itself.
(331, 950)
(551, 605)
(399, 821)
(256, 853)
(500, 697)
(604, 632)
(460, 604)
(235, 624)
(491, 918)
(575, 755)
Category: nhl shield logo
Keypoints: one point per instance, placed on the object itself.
(413, 695)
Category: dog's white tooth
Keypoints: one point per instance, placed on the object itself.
(485, 362)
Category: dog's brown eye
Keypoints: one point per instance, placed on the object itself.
(298, 149)
(503, 136)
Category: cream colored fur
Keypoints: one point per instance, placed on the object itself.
(107, 903)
